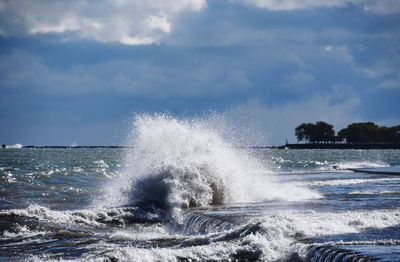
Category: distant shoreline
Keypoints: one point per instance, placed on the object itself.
(341, 146)
(62, 147)
(287, 146)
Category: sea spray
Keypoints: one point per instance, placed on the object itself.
(38, 221)
(174, 164)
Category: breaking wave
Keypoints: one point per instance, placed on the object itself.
(362, 164)
(373, 193)
(174, 164)
(86, 217)
(268, 238)
(345, 182)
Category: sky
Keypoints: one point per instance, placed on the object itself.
(74, 72)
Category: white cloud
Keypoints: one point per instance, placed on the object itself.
(158, 22)
(298, 81)
(339, 109)
(137, 22)
(391, 83)
(22, 71)
(375, 69)
(66, 24)
(381, 7)
(328, 48)
(341, 52)
(127, 22)
(295, 4)
(128, 40)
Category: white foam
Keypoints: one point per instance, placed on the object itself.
(368, 242)
(274, 235)
(9, 178)
(325, 223)
(70, 217)
(384, 192)
(274, 238)
(344, 182)
(21, 232)
(358, 164)
(101, 163)
(213, 251)
(15, 146)
(183, 163)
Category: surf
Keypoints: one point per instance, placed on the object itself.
(175, 164)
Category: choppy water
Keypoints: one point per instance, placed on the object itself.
(181, 193)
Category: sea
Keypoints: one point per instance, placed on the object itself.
(180, 191)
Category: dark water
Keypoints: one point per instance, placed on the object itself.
(79, 204)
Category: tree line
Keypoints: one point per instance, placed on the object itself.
(362, 132)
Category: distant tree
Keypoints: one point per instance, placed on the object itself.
(315, 133)
(389, 134)
(396, 131)
(386, 135)
(324, 132)
(363, 132)
(303, 132)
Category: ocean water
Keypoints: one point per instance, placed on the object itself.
(180, 192)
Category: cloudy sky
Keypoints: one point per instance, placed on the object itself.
(76, 71)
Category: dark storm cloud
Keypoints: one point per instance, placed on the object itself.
(285, 61)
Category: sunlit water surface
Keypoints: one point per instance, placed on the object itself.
(59, 203)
